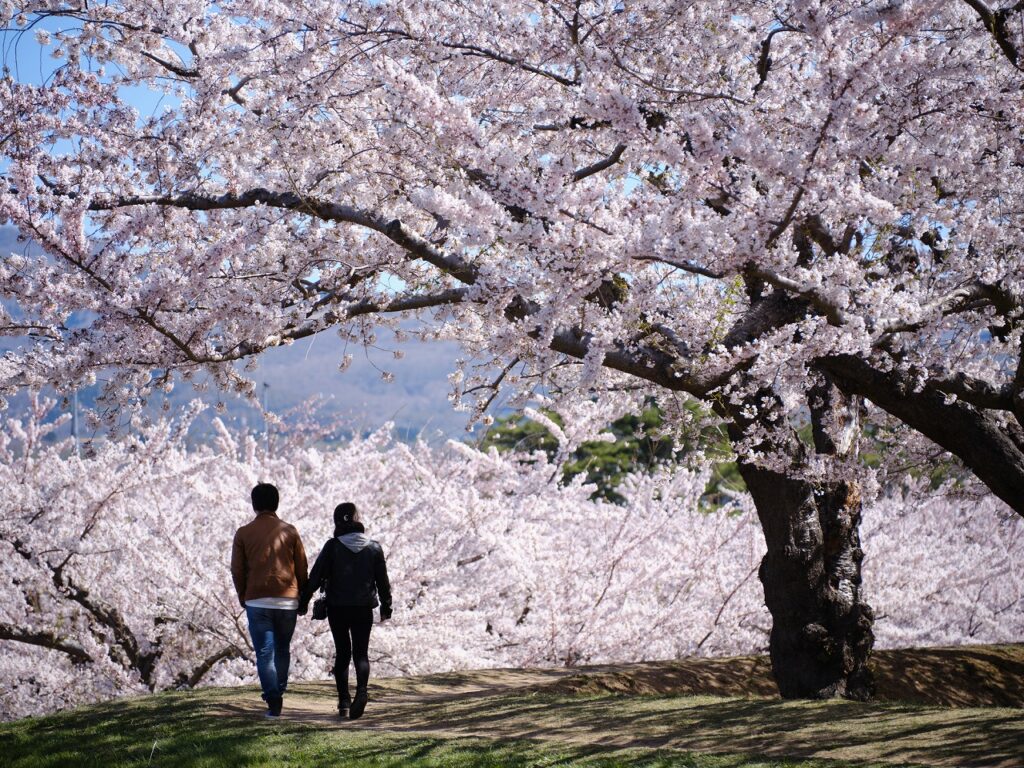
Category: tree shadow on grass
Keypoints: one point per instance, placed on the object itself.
(844, 730)
(834, 730)
(806, 730)
(177, 730)
(149, 730)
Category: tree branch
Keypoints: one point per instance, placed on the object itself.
(995, 23)
(764, 61)
(364, 307)
(44, 639)
(192, 679)
(393, 229)
(600, 165)
(834, 314)
(144, 662)
(234, 93)
(957, 300)
(978, 438)
(977, 392)
(469, 49)
(188, 74)
(1017, 388)
(649, 365)
(686, 266)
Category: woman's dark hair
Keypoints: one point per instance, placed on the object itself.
(265, 498)
(345, 513)
(346, 519)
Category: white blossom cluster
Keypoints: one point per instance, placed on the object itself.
(115, 562)
(590, 197)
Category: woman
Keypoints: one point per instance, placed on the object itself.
(352, 570)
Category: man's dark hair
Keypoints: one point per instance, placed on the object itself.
(265, 498)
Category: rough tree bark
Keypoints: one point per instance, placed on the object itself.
(821, 635)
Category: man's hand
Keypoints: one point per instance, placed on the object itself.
(303, 607)
(385, 615)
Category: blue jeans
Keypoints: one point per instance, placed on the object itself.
(271, 630)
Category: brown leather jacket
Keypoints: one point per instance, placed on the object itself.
(267, 559)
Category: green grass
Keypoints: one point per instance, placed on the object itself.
(944, 707)
(183, 729)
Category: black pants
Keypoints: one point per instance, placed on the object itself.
(350, 625)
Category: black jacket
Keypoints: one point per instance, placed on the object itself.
(350, 578)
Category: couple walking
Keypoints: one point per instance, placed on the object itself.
(268, 566)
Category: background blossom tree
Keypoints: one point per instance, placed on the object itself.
(117, 562)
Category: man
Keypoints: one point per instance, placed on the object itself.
(268, 565)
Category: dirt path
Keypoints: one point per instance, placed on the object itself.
(613, 707)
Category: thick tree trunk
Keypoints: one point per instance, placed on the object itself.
(821, 634)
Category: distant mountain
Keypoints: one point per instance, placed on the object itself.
(417, 399)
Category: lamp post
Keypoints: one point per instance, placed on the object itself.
(266, 423)
(74, 421)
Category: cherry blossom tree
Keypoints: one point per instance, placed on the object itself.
(776, 208)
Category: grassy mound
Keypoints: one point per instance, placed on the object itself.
(966, 676)
(972, 676)
(699, 713)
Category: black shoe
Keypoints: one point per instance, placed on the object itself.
(343, 707)
(358, 705)
(274, 703)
